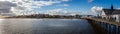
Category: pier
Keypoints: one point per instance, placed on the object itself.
(102, 26)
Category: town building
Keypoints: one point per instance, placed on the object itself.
(111, 14)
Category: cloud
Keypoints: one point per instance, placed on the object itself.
(20, 6)
(5, 7)
(118, 8)
(96, 9)
(4, 10)
(90, 1)
(60, 11)
(63, 5)
(54, 11)
(60, 0)
(66, 0)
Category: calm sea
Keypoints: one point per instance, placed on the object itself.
(45, 26)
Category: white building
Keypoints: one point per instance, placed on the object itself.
(111, 14)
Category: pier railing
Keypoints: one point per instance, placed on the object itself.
(103, 26)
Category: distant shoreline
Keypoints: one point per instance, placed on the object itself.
(40, 18)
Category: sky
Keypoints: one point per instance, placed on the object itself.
(59, 7)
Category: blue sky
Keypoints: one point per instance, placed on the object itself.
(64, 7)
(81, 6)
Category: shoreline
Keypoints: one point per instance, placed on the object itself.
(40, 18)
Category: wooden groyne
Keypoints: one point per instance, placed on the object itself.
(102, 26)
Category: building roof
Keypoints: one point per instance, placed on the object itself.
(111, 12)
(107, 11)
(116, 12)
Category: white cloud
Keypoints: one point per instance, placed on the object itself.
(26, 5)
(118, 8)
(60, 11)
(63, 5)
(54, 11)
(61, 0)
(5, 7)
(96, 9)
(90, 1)
(65, 0)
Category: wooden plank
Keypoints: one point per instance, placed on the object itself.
(106, 21)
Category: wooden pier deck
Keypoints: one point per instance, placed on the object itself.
(103, 26)
(106, 21)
